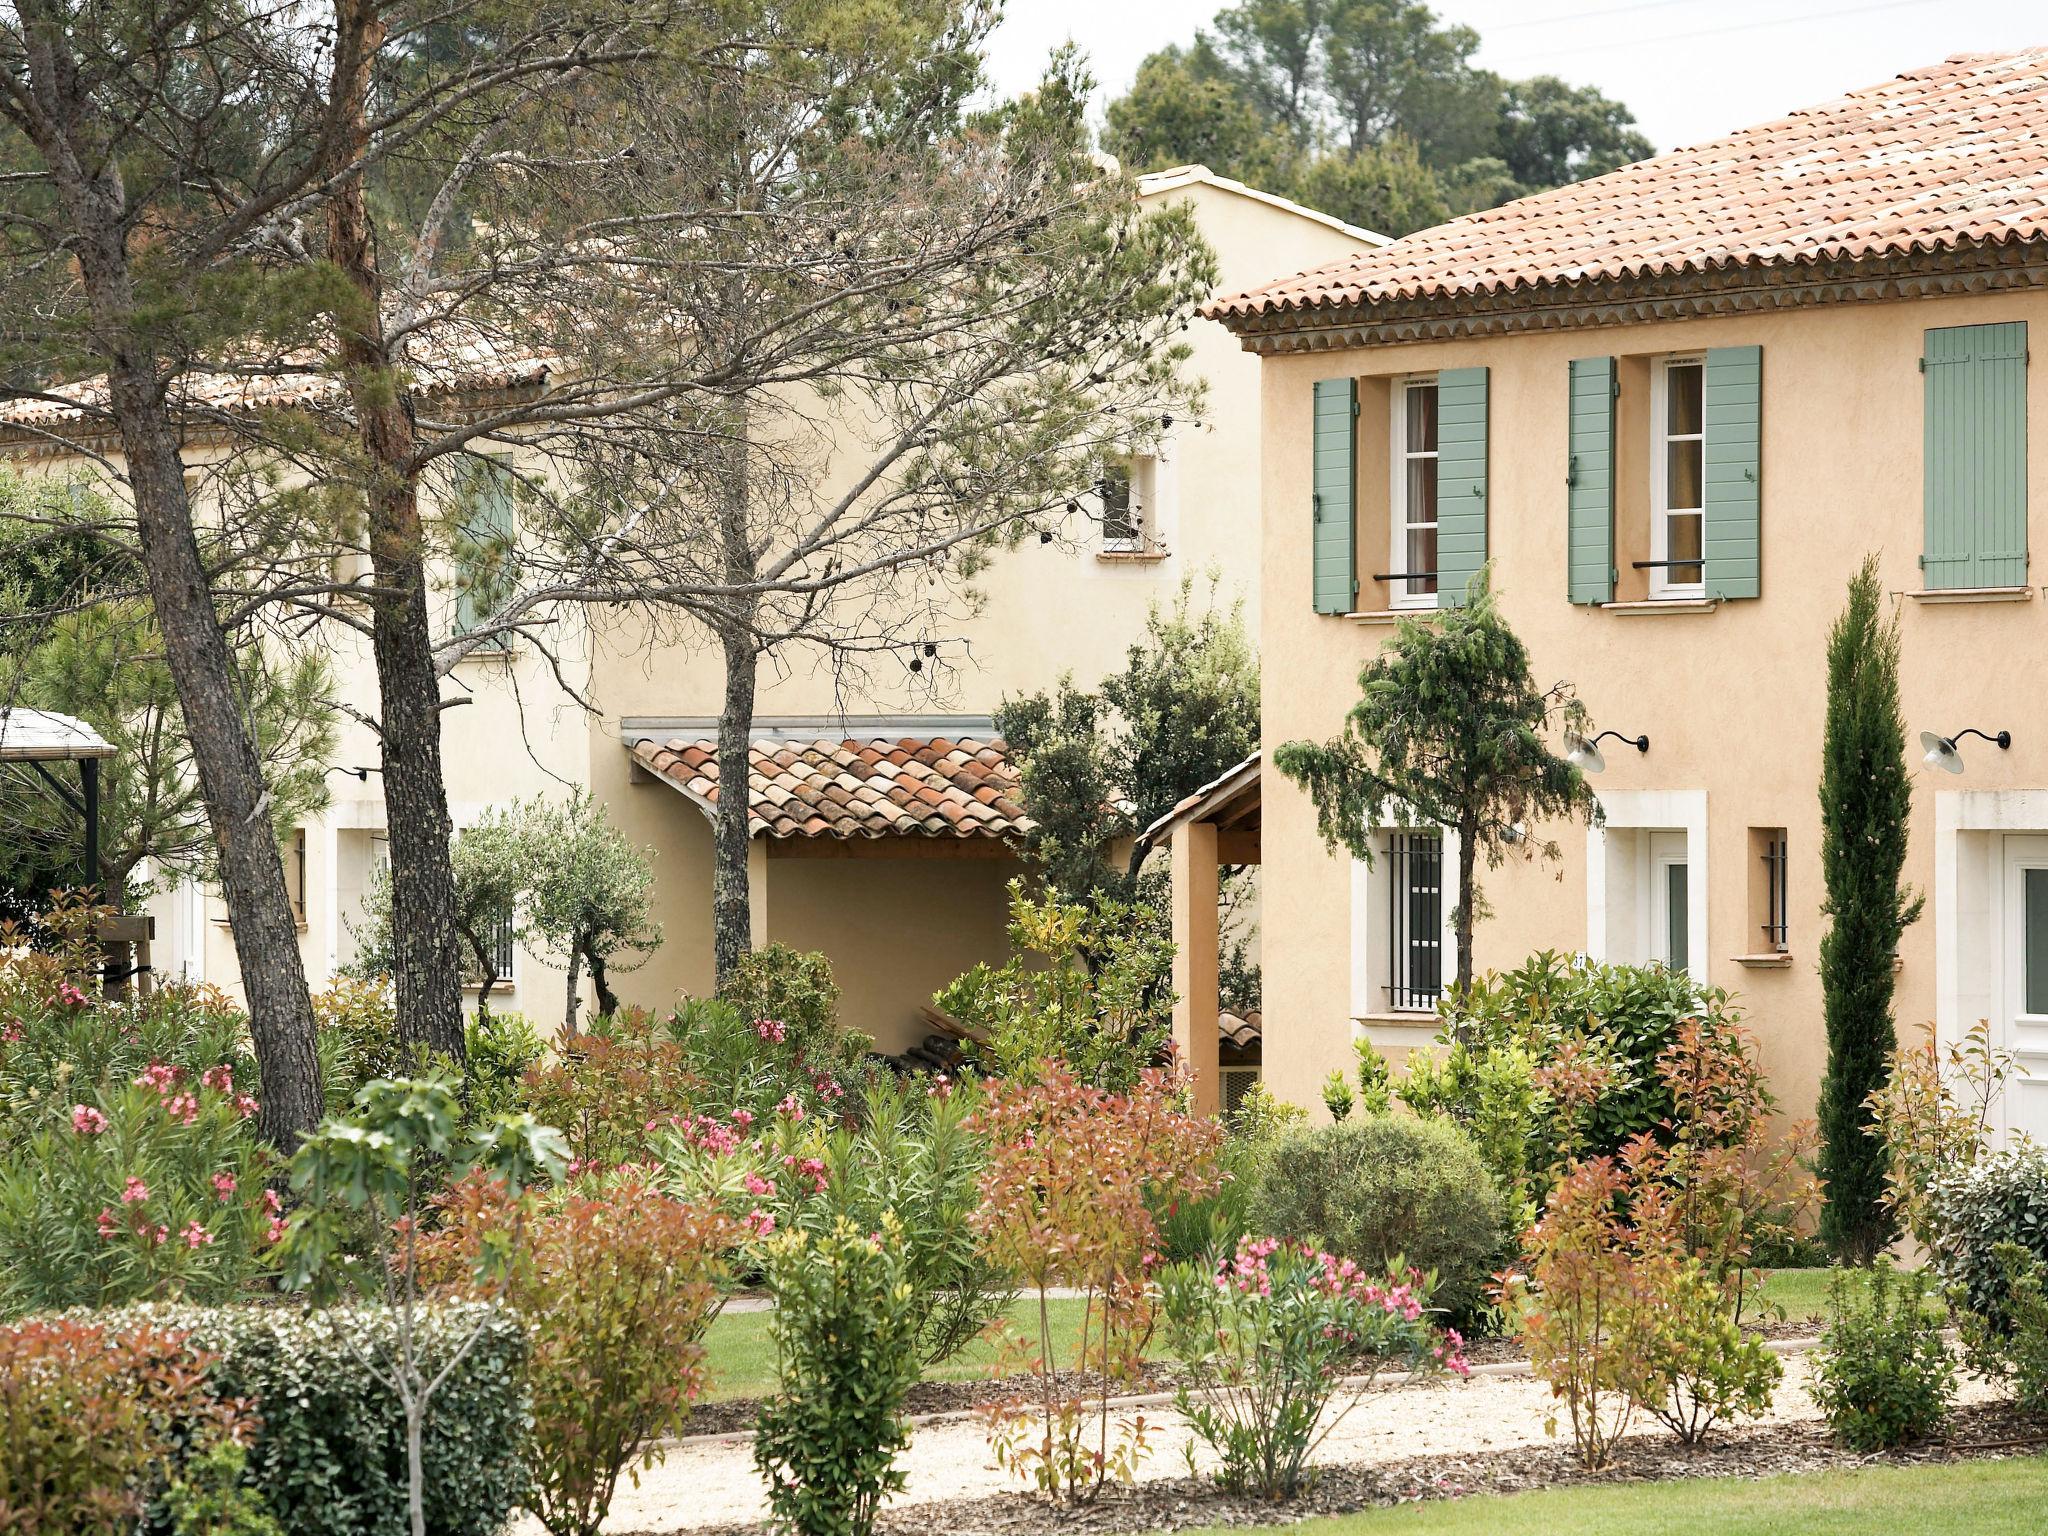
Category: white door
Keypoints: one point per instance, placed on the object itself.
(1670, 903)
(2022, 1025)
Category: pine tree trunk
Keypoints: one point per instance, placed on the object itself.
(89, 189)
(1468, 900)
(732, 919)
(426, 962)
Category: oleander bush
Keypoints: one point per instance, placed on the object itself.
(1386, 1191)
(130, 1168)
(846, 1346)
(1268, 1333)
(1883, 1375)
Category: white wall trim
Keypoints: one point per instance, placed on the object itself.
(1682, 810)
(1956, 812)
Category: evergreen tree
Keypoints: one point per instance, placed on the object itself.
(1865, 801)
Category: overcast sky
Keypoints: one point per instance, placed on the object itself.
(1688, 70)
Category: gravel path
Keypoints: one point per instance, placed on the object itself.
(711, 1482)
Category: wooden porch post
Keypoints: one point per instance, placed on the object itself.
(1194, 958)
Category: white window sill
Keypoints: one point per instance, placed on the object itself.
(1414, 1020)
(1765, 962)
(1940, 595)
(1665, 605)
(1390, 615)
(1131, 556)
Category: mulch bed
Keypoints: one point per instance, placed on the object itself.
(1982, 1431)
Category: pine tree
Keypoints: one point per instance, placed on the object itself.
(1865, 801)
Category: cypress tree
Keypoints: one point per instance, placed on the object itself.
(1866, 797)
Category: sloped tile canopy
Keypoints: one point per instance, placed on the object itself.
(908, 786)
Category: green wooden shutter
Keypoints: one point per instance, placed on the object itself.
(483, 550)
(1335, 499)
(1589, 482)
(1460, 481)
(1976, 456)
(1732, 412)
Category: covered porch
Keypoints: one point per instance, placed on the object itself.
(1217, 826)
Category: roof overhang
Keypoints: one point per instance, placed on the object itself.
(41, 736)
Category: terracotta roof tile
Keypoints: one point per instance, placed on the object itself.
(849, 789)
(1952, 155)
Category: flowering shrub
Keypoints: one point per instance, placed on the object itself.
(846, 1343)
(1063, 1201)
(95, 1417)
(129, 1162)
(1935, 1115)
(1268, 1334)
(611, 1092)
(1882, 1375)
(616, 1285)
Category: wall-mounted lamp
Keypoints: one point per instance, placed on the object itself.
(1942, 753)
(360, 775)
(1584, 754)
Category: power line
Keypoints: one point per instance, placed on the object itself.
(1681, 37)
(1552, 21)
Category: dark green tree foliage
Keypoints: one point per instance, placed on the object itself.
(1866, 799)
(1448, 732)
(1371, 110)
(1099, 766)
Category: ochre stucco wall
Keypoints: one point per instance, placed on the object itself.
(1732, 700)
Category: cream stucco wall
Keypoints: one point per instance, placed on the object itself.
(1732, 699)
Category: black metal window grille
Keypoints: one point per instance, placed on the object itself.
(1415, 926)
(1776, 925)
(498, 940)
(1121, 520)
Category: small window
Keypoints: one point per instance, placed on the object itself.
(498, 941)
(1412, 576)
(486, 563)
(295, 874)
(1769, 884)
(1678, 472)
(1126, 491)
(1415, 920)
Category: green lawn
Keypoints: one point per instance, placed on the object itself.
(741, 1357)
(742, 1360)
(1985, 1498)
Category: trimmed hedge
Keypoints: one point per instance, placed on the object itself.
(1386, 1188)
(2003, 1199)
(329, 1458)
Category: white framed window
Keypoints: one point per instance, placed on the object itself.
(1411, 499)
(1646, 880)
(1128, 492)
(1401, 915)
(1670, 936)
(1678, 473)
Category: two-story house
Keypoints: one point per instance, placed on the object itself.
(885, 824)
(1675, 407)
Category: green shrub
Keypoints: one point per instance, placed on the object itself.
(93, 1415)
(358, 1023)
(845, 1334)
(329, 1457)
(1883, 1375)
(1974, 1211)
(1193, 1228)
(2018, 1351)
(1384, 1188)
(499, 1049)
(210, 1496)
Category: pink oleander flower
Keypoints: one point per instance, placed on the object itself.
(11, 1031)
(195, 1235)
(743, 1118)
(246, 1105)
(271, 1204)
(758, 1186)
(109, 1226)
(70, 995)
(158, 1075)
(811, 1168)
(759, 1222)
(224, 1187)
(278, 1228)
(160, 1236)
(220, 1079)
(182, 1107)
(828, 1089)
(86, 1120)
(134, 1192)
(790, 1107)
(941, 1087)
(771, 1030)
